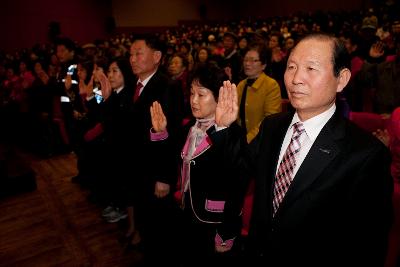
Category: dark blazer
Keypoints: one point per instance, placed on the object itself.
(118, 128)
(337, 211)
(210, 182)
(169, 94)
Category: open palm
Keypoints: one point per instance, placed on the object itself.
(86, 89)
(227, 107)
(105, 85)
(158, 119)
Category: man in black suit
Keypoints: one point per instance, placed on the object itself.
(153, 192)
(336, 209)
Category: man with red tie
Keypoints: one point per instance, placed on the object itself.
(152, 196)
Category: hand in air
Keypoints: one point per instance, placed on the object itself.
(221, 248)
(377, 50)
(383, 136)
(227, 107)
(105, 85)
(86, 89)
(158, 119)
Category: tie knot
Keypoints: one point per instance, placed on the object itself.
(298, 129)
(139, 86)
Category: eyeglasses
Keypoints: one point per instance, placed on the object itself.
(250, 60)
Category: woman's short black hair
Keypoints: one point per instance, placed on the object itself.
(264, 52)
(210, 76)
(126, 70)
(87, 64)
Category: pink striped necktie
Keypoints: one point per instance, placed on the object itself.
(284, 176)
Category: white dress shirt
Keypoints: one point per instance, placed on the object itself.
(312, 128)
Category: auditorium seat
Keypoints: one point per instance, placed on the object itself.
(247, 208)
(368, 121)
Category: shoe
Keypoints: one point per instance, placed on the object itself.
(107, 211)
(134, 242)
(116, 216)
(136, 239)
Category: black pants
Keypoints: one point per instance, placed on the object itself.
(158, 220)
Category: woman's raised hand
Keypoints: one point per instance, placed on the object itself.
(227, 107)
(86, 89)
(158, 119)
(105, 85)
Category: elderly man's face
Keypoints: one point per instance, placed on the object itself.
(309, 78)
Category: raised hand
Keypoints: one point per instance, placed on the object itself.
(105, 85)
(86, 89)
(383, 136)
(158, 119)
(44, 77)
(377, 50)
(227, 107)
(228, 71)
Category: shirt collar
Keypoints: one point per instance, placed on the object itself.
(314, 125)
(118, 90)
(145, 81)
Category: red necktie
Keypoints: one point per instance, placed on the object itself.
(139, 86)
(284, 176)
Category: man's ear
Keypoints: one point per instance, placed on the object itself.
(344, 78)
(157, 56)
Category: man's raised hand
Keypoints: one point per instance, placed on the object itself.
(158, 119)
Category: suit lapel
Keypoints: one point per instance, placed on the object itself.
(147, 90)
(321, 154)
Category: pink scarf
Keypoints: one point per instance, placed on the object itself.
(195, 137)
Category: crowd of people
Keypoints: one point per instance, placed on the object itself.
(170, 129)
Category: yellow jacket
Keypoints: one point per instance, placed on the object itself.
(263, 98)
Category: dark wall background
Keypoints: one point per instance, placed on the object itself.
(167, 13)
(287, 7)
(25, 23)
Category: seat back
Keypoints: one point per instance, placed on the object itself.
(368, 121)
(247, 209)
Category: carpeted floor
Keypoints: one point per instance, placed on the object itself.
(55, 225)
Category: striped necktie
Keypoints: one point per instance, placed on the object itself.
(284, 176)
